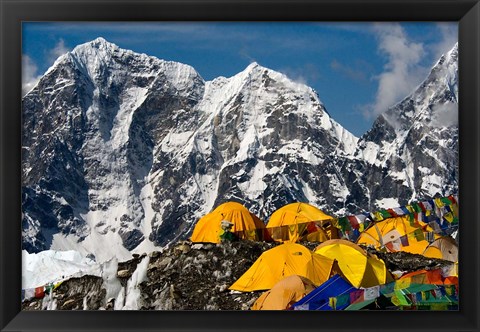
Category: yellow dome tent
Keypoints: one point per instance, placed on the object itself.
(301, 222)
(444, 248)
(285, 292)
(246, 225)
(357, 266)
(282, 261)
(397, 234)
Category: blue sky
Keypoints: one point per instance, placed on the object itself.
(357, 69)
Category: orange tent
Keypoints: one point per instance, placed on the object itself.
(282, 261)
(397, 234)
(433, 277)
(301, 222)
(356, 265)
(285, 292)
(451, 280)
(246, 225)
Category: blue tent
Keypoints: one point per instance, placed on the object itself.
(318, 299)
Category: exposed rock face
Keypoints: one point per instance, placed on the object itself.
(85, 293)
(123, 152)
(199, 279)
(90, 127)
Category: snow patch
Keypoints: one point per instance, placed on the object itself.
(387, 203)
(111, 283)
(146, 198)
(131, 100)
(53, 266)
(370, 152)
(133, 296)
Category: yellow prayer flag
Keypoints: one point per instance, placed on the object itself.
(438, 202)
(419, 279)
(335, 223)
(403, 283)
(395, 300)
(449, 217)
(438, 306)
(378, 216)
(332, 302)
(361, 227)
(424, 296)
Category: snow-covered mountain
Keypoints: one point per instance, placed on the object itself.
(123, 152)
(411, 152)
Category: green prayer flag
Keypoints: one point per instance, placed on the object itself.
(385, 214)
(417, 207)
(387, 289)
(446, 201)
(344, 224)
(411, 219)
(359, 305)
(343, 300)
(401, 298)
(419, 235)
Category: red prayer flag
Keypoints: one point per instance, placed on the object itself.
(353, 222)
(39, 292)
(392, 212)
(452, 199)
(422, 206)
(390, 247)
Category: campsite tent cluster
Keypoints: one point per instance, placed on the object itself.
(292, 223)
(338, 274)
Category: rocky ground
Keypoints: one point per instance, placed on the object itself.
(192, 277)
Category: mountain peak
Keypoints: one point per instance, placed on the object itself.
(449, 58)
(98, 44)
(452, 55)
(455, 48)
(100, 40)
(253, 65)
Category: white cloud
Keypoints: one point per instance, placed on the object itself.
(402, 72)
(58, 50)
(449, 32)
(30, 75)
(305, 74)
(445, 115)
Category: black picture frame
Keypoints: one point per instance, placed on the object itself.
(14, 12)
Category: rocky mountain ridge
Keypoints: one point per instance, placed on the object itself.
(184, 277)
